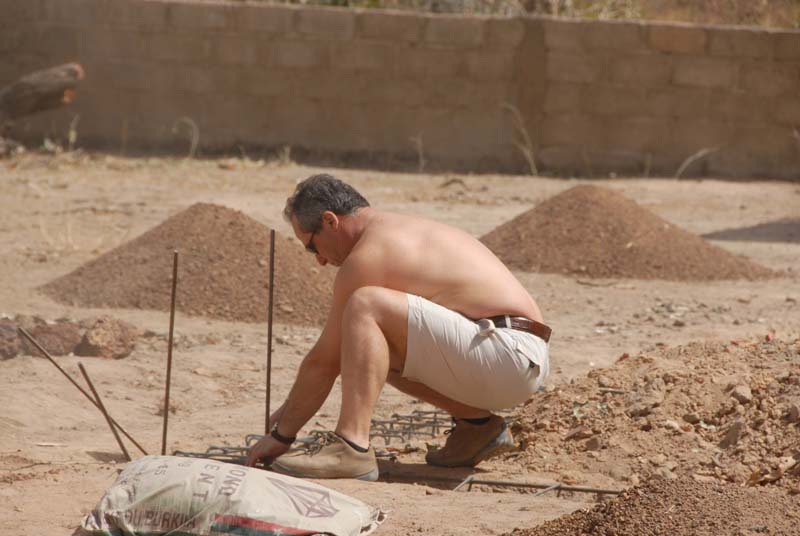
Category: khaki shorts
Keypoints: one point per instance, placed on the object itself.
(446, 353)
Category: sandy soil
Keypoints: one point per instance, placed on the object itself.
(58, 212)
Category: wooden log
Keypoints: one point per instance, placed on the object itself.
(39, 91)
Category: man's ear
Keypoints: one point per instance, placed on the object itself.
(329, 218)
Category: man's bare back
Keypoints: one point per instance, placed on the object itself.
(440, 263)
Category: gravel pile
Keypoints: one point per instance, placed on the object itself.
(222, 272)
(593, 231)
(681, 507)
(710, 411)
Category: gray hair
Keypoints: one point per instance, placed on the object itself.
(317, 194)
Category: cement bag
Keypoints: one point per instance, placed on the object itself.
(158, 495)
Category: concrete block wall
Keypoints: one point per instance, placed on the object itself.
(642, 98)
(595, 97)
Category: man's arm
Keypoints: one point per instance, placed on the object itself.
(315, 377)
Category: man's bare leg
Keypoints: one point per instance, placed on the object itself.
(426, 394)
(374, 332)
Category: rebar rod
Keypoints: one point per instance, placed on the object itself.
(169, 352)
(269, 325)
(73, 382)
(104, 412)
(504, 483)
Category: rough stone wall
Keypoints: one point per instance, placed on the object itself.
(411, 89)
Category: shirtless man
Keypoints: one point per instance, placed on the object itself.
(420, 305)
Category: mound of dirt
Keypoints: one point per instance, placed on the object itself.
(709, 411)
(681, 508)
(223, 271)
(597, 232)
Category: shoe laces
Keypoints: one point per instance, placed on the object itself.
(321, 438)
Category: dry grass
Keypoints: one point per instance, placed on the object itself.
(768, 13)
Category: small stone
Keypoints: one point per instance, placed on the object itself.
(691, 418)
(9, 340)
(109, 338)
(732, 435)
(57, 339)
(793, 413)
(579, 432)
(593, 444)
(742, 394)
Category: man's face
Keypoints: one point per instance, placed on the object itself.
(319, 243)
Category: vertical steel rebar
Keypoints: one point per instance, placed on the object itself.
(105, 413)
(73, 382)
(269, 324)
(169, 351)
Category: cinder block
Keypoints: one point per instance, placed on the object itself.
(705, 72)
(764, 139)
(693, 135)
(198, 17)
(675, 38)
(504, 33)
(396, 91)
(131, 75)
(202, 80)
(727, 106)
(642, 70)
(462, 93)
(785, 111)
(236, 49)
(393, 27)
(266, 19)
(563, 97)
(740, 43)
(76, 12)
(113, 44)
(639, 135)
(563, 35)
(787, 45)
(17, 12)
(563, 67)
(455, 31)
(484, 65)
(53, 40)
(266, 81)
(771, 78)
(430, 62)
(331, 23)
(614, 101)
(151, 16)
(12, 40)
(300, 54)
(186, 47)
(679, 102)
(360, 56)
(565, 129)
(606, 35)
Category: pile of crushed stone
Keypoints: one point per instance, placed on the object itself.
(710, 411)
(597, 232)
(223, 272)
(681, 507)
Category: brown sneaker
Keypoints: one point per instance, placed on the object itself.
(469, 444)
(328, 456)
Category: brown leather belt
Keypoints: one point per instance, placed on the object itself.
(522, 324)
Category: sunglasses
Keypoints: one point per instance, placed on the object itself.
(310, 247)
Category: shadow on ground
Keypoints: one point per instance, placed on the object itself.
(784, 230)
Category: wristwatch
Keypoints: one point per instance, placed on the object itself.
(281, 438)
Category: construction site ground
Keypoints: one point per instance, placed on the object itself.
(59, 211)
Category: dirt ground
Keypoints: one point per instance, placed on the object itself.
(58, 212)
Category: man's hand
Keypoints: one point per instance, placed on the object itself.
(266, 450)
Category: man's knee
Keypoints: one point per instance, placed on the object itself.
(368, 301)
